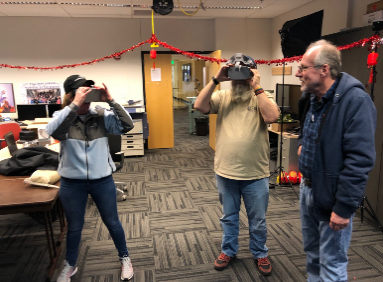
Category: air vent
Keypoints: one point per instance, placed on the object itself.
(172, 14)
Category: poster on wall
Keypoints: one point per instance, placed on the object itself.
(41, 93)
(7, 99)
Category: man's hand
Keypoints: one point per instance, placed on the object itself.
(299, 150)
(256, 80)
(337, 223)
(106, 97)
(80, 95)
(222, 73)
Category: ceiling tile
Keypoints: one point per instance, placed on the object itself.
(96, 11)
(31, 10)
(271, 8)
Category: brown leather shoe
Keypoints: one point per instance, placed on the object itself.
(264, 266)
(222, 261)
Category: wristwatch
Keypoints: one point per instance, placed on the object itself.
(216, 82)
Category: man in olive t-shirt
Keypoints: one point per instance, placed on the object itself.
(241, 161)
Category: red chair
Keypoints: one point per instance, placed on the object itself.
(9, 126)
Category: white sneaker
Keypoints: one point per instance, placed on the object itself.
(126, 269)
(66, 273)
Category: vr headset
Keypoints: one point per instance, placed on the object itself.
(93, 96)
(241, 69)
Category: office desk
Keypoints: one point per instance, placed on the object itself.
(15, 197)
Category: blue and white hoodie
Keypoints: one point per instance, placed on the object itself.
(84, 149)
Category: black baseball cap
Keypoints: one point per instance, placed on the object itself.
(75, 81)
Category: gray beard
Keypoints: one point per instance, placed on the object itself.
(241, 93)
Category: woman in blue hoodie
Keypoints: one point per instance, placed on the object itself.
(86, 166)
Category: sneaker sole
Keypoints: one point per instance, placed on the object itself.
(219, 268)
(265, 273)
(74, 272)
(262, 272)
(127, 279)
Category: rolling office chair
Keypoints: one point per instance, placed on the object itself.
(118, 158)
(6, 127)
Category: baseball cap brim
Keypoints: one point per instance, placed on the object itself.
(81, 82)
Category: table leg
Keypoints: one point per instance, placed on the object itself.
(51, 234)
(62, 215)
(54, 247)
(50, 243)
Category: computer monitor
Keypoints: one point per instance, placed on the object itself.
(292, 95)
(53, 108)
(30, 112)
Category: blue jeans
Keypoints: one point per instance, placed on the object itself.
(74, 196)
(325, 248)
(255, 194)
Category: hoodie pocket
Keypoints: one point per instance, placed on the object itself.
(325, 190)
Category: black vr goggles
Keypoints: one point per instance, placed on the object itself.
(241, 69)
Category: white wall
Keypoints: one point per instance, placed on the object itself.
(187, 35)
(248, 36)
(43, 41)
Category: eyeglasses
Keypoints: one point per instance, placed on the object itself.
(303, 68)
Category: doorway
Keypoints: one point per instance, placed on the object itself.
(175, 87)
(187, 79)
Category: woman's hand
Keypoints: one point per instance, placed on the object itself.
(80, 95)
(106, 97)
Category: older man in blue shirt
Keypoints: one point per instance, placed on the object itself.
(337, 151)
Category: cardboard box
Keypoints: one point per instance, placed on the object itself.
(368, 19)
(286, 126)
(374, 7)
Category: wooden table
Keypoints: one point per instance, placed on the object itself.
(15, 197)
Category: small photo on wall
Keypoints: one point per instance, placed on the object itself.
(7, 98)
(41, 93)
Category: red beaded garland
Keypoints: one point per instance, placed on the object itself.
(153, 39)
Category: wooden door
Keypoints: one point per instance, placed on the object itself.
(211, 70)
(159, 102)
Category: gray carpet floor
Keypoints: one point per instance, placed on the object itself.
(171, 219)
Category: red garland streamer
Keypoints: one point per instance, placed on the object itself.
(153, 39)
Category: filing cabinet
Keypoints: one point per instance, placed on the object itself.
(132, 142)
(289, 152)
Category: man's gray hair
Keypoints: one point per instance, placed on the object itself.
(327, 54)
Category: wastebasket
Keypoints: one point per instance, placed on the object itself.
(201, 126)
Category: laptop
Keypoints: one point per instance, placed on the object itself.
(11, 143)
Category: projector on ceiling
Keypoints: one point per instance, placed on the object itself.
(163, 7)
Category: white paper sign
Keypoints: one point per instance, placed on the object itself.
(156, 74)
(41, 92)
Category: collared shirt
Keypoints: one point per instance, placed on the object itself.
(311, 129)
